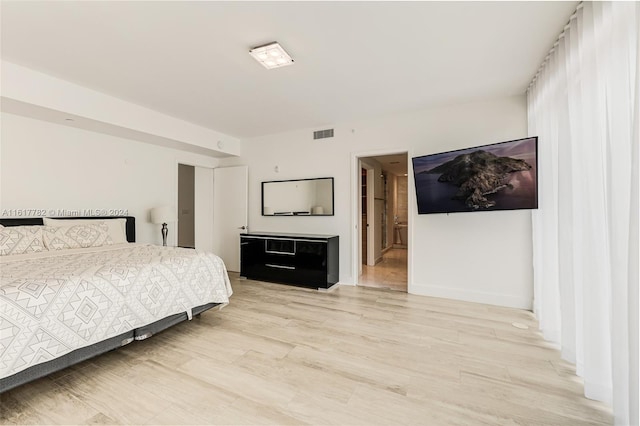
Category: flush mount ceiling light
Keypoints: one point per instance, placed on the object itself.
(271, 55)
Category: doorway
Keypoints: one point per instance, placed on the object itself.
(186, 206)
(195, 207)
(384, 229)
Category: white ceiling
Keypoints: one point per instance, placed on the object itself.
(354, 60)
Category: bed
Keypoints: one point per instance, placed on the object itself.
(61, 307)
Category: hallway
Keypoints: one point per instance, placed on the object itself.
(390, 273)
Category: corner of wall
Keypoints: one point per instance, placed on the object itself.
(488, 298)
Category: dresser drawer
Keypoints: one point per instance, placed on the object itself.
(311, 255)
(283, 274)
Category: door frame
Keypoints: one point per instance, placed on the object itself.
(356, 215)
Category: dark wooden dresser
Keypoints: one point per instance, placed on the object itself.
(298, 259)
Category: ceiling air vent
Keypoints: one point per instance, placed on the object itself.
(321, 134)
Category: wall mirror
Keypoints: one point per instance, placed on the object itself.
(299, 197)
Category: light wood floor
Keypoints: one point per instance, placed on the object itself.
(390, 273)
(352, 356)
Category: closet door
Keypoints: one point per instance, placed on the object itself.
(230, 189)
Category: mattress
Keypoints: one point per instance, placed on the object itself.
(55, 302)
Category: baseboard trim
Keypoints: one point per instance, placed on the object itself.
(472, 296)
(329, 289)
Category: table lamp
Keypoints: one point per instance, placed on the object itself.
(162, 215)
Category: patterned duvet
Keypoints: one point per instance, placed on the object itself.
(52, 303)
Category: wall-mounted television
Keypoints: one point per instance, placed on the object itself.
(499, 176)
(298, 197)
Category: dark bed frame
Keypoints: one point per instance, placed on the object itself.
(82, 354)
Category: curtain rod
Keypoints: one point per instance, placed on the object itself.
(574, 15)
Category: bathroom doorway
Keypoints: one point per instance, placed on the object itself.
(385, 221)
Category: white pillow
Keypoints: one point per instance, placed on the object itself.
(117, 227)
(76, 236)
(20, 240)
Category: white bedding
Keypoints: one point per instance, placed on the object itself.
(52, 303)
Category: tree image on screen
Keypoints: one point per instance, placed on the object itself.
(477, 175)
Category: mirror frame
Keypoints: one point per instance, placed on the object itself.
(333, 203)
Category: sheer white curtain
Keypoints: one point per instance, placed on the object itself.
(584, 106)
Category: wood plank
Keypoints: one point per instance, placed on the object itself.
(287, 355)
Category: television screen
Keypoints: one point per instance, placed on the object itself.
(500, 176)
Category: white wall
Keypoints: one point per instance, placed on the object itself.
(483, 257)
(50, 166)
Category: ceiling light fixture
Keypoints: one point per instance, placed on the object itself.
(271, 55)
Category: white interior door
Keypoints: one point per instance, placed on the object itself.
(230, 197)
(203, 208)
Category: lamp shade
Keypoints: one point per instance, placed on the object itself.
(163, 214)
